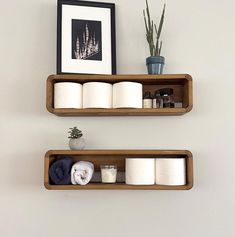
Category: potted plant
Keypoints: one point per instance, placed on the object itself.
(76, 141)
(155, 62)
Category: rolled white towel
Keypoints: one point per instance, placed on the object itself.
(82, 172)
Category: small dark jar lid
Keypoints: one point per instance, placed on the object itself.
(147, 95)
(166, 91)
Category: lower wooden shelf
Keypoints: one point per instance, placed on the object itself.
(98, 157)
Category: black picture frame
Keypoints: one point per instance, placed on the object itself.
(110, 6)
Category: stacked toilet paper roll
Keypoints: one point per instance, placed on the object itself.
(97, 95)
(127, 95)
(170, 171)
(67, 95)
(140, 171)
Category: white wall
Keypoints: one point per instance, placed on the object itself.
(199, 39)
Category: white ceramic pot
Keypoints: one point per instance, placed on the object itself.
(77, 143)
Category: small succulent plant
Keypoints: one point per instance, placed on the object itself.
(75, 133)
(155, 46)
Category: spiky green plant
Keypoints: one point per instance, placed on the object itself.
(75, 133)
(155, 46)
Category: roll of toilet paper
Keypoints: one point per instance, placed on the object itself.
(67, 95)
(127, 95)
(140, 171)
(170, 171)
(97, 95)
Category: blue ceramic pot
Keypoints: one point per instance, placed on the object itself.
(155, 64)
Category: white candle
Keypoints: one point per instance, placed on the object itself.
(108, 173)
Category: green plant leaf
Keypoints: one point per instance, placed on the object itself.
(161, 22)
(155, 28)
(145, 21)
(148, 13)
(157, 46)
(160, 49)
(75, 133)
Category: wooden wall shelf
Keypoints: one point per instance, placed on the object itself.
(181, 83)
(98, 157)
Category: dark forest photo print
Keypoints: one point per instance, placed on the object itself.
(86, 40)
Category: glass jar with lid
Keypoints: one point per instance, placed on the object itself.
(108, 173)
(167, 97)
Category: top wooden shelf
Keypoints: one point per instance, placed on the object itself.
(181, 83)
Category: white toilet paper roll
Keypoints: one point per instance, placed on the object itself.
(170, 171)
(140, 171)
(97, 95)
(127, 95)
(67, 95)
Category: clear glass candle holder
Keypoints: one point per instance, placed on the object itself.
(108, 173)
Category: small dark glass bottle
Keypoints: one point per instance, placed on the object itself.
(147, 100)
(157, 100)
(167, 97)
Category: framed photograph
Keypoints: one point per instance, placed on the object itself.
(86, 41)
